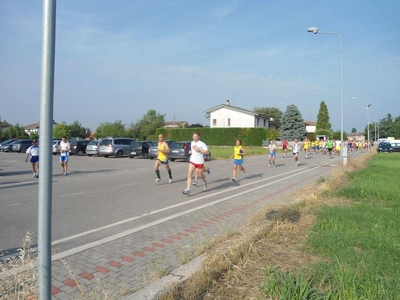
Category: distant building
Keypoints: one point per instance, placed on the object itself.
(4, 126)
(356, 136)
(226, 115)
(175, 124)
(35, 127)
(311, 126)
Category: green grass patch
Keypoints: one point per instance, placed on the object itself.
(220, 152)
(359, 243)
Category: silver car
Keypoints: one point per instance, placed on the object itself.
(93, 148)
(117, 147)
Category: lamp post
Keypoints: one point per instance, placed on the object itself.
(315, 31)
(367, 108)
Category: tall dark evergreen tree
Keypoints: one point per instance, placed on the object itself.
(292, 124)
(323, 124)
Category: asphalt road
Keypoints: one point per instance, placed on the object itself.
(102, 197)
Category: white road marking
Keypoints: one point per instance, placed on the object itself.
(73, 194)
(14, 204)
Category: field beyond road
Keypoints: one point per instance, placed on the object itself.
(338, 240)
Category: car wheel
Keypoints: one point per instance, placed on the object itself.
(89, 154)
(118, 154)
(172, 159)
(188, 158)
(80, 153)
(151, 157)
(106, 156)
(130, 156)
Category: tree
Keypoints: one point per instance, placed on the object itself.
(336, 135)
(292, 124)
(146, 127)
(384, 126)
(150, 122)
(197, 125)
(34, 135)
(61, 130)
(274, 112)
(353, 130)
(111, 129)
(76, 130)
(323, 124)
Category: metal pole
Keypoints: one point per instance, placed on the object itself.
(315, 31)
(46, 160)
(368, 125)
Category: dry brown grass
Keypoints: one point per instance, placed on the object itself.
(233, 268)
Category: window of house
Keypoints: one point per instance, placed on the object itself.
(214, 122)
(229, 122)
(265, 123)
(258, 121)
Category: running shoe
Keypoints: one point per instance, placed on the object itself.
(195, 183)
(273, 165)
(170, 180)
(269, 166)
(37, 175)
(186, 192)
(233, 179)
(65, 173)
(208, 171)
(158, 179)
(205, 186)
(34, 175)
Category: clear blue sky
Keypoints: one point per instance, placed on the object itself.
(118, 59)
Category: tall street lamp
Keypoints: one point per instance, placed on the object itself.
(315, 31)
(367, 108)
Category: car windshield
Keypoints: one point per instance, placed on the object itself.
(178, 145)
(92, 143)
(384, 145)
(154, 144)
(106, 142)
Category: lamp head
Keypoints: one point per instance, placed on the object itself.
(369, 105)
(313, 30)
(353, 98)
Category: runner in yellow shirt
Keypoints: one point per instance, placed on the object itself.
(162, 158)
(306, 146)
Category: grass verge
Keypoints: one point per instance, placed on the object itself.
(339, 241)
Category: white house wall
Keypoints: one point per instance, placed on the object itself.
(237, 119)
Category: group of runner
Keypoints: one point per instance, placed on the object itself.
(32, 154)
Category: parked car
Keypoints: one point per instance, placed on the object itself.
(21, 145)
(153, 149)
(385, 147)
(139, 148)
(117, 147)
(56, 146)
(8, 147)
(79, 147)
(396, 147)
(180, 150)
(93, 148)
(6, 143)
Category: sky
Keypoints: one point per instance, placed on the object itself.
(116, 60)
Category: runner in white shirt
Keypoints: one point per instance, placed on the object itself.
(65, 147)
(296, 150)
(272, 153)
(196, 163)
(33, 153)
